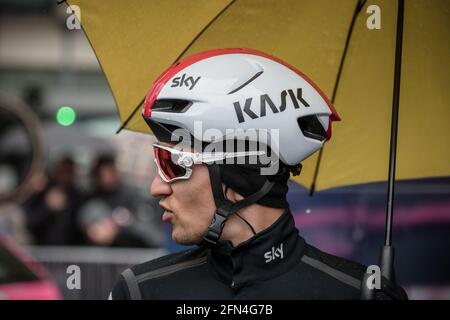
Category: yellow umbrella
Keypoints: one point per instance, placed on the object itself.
(330, 41)
(351, 48)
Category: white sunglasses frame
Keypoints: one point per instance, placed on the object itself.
(187, 159)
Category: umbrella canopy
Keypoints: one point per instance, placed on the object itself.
(329, 41)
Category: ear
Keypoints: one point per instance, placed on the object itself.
(231, 194)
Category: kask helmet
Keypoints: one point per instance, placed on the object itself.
(241, 88)
(228, 89)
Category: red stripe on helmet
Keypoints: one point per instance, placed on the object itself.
(329, 128)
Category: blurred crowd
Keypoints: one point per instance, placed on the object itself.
(105, 213)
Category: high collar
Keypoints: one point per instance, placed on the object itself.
(266, 255)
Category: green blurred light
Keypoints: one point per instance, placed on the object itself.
(65, 116)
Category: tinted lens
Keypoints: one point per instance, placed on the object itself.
(169, 169)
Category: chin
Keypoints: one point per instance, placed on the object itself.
(186, 239)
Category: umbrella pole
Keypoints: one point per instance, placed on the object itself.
(387, 252)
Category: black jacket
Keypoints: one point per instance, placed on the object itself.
(275, 264)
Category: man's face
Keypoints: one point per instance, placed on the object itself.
(107, 177)
(188, 204)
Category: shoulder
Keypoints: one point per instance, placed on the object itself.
(334, 277)
(343, 273)
(127, 285)
(330, 276)
(343, 270)
(175, 261)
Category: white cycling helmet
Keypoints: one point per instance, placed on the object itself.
(241, 88)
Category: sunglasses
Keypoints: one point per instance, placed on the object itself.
(175, 165)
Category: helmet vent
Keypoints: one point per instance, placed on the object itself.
(312, 128)
(246, 82)
(171, 105)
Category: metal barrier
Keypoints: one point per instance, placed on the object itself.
(99, 267)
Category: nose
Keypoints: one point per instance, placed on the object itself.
(159, 188)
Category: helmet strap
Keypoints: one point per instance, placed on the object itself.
(239, 216)
(225, 207)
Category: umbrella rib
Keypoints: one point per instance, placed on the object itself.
(358, 8)
(347, 43)
(204, 29)
(124, 124)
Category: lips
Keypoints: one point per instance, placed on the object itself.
(168, 214)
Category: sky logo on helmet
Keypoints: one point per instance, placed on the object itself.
(265, 101)
(189, 81)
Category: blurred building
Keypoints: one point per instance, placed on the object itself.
(49, 66)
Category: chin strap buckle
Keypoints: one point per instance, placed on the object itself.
(216, 227)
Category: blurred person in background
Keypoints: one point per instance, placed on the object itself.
(51, 213)
(107, 184)
(105, 226)
(114, 214)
